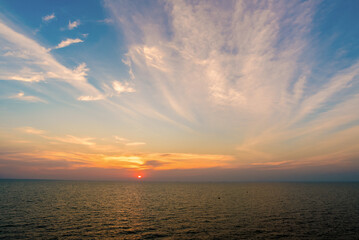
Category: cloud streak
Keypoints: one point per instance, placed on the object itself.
(31, 130)
(73, 24)
(91, 98)
(68, 42)
(122, 87)
(21, 96)
(69, 139)
(47, 18)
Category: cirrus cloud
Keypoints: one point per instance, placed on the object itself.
(122, 87)
(73, 24)
(49, 17)
(68, 42)
(21, 96)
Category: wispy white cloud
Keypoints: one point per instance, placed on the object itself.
(121, 139)
(48, 17)
(153, 57)
(88, 141)
(91, 98)
(135, 143)
(21, 96)
(122, 87)
(73, 140)
(81, 71)
(34, 62)
(128, 142)
(25, 74)
(31, 130)
(17, 54)
(337, 83)
(68, 42)
(34, 78)
(106, 20)
(73, 24)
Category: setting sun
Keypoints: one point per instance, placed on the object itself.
(139, 176)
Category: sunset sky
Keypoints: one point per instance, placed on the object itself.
(179, 90)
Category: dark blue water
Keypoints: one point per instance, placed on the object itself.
(102, 210)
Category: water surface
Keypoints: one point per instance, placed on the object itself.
(100, 210)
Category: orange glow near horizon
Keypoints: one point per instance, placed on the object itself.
(139, 176)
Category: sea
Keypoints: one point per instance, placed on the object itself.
(42, 209)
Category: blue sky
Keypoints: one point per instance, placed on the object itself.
(179, 90)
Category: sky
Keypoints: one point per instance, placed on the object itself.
(179, 90)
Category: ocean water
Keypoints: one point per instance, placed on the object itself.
(140, 210)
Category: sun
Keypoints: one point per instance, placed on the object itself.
(139, 176)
